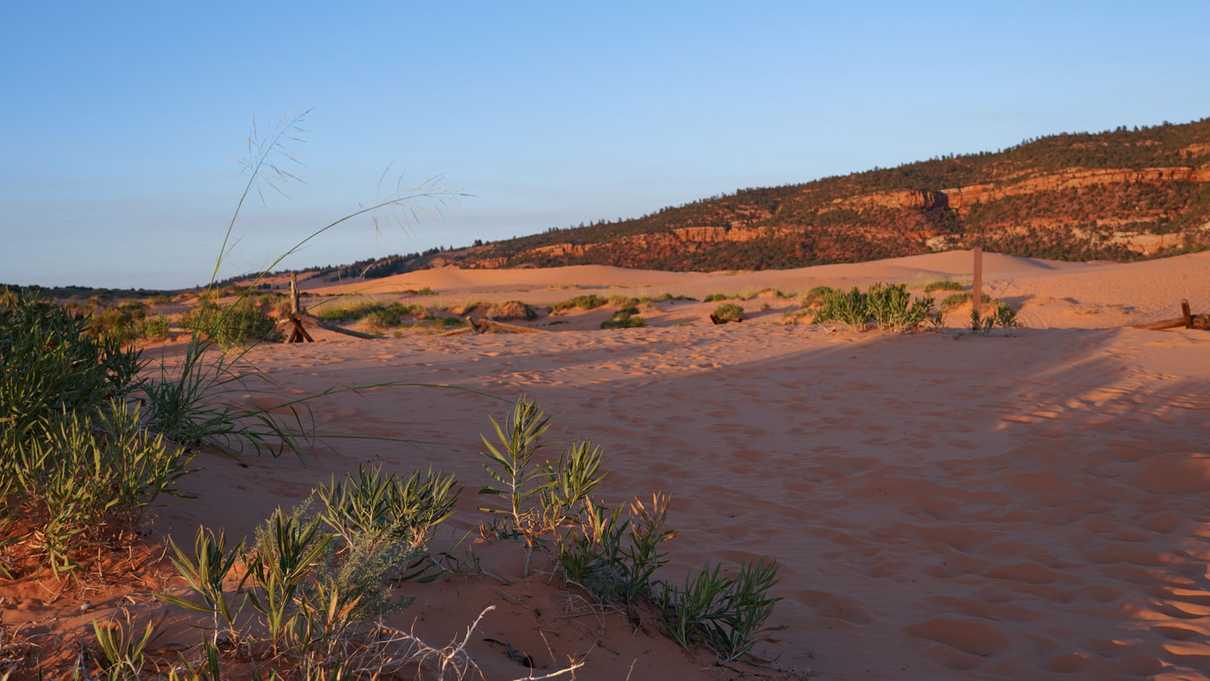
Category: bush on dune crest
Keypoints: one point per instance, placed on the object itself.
(886, 306)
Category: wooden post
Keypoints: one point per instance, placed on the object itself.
(294, 306)
(977, 286)
(1187, 313)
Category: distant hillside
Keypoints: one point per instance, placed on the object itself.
(1120, 195)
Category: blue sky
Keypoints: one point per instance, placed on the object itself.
(122, 126)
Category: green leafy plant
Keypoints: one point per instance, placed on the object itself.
(616, 557)
(242, 323)
(1003, 316)
(122, 647)
(288, 548)
(511, 463)
(848, 308)
(892, 307)
(204, 573)
(89, 476)
(371, 504)
(725, 613)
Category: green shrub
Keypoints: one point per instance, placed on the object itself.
(943, 285)
(888, 306)
(394, 314)
(587, 302)
(51, 364)
(715, 297)
(615, 557)
(625, 318)
(726, 614)
(891, 307)
(345, 313)
(959, 299)
(242, 323)
(815, 297)
(123, 322)
(728, 312)
(88, 476)
(155, 327)
(848, 308)
(1003, 316)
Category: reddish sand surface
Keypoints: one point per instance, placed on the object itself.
(1025, 505)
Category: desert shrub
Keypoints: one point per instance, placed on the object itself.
(891, 307)
(943, 285)
(815, 297)
(888, 306)
(87, 476)
(317, 581)
(512, 310)
(848, 308)
(50, 364)
(154, 327)
(242, 323)
(625, 318)
(585, 302)
(123, 322)
(394, 314)
(616, 557)
(725, 613)
(728, 312)
(716, 297)
(611, 553)
(385, 507)
(426, 291)
(959, 299)
(345, 313)
(1003, 316)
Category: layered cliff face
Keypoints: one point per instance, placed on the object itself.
(1120, 195)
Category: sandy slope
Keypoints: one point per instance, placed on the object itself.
(942, 506)
(1048, 293)
(1006, 507)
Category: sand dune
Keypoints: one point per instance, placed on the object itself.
(1029, 505)
(1048, 293)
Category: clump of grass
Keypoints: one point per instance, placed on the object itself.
(426, 291)
(394, 314)
(716, 297)
(959, 299)
(346, 313)
(1003, 316)
(887, 306)
(585, 302)
(727, 312)
(815, 298)
(724, 613)
(625, 318)
(242, 323)
(943, 285)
